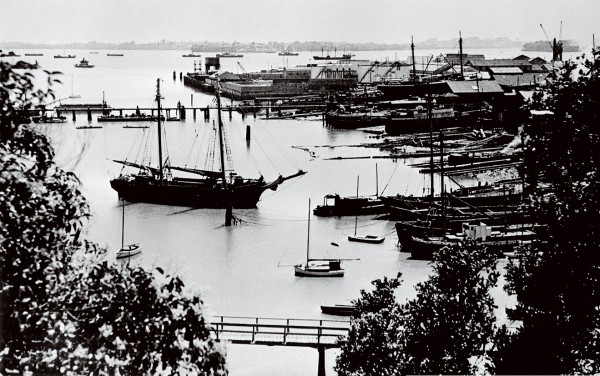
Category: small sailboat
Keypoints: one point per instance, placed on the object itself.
(318, 267)
(363, 238)
(127, 250)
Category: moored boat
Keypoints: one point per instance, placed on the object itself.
(210, 189)
(339, 309)
(353, 120)
(336, 206)
(64, 56)
(504, 241)
(317, 267)
(191, 55)
(230, 54)
(84, 64)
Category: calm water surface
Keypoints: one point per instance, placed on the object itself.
(243, 270)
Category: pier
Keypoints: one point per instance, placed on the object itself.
(319, 334)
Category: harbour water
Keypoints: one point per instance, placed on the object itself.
(246, 269)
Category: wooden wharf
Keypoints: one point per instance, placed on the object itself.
(319, 334)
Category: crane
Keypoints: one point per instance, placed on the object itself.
(547, 37)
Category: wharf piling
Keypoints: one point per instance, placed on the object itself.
(182, 113)
(89, 114)
(74, 118)
(206, 114)
(248, 133)
(174, 75)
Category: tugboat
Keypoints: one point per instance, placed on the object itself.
(84, 64)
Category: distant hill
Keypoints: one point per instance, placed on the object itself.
(327, 46)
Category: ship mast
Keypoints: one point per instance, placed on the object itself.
(226, 188)
(160, 161)
(412, 48)
(460, 54)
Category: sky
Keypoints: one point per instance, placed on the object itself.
(379, 21)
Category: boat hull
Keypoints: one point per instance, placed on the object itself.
(339, 309)
(318, 270)
(366, 239)
(193, 193)
(129, 251)
(354, 120)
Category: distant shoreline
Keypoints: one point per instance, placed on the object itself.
(468, 43)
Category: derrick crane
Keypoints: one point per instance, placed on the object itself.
(547, 37)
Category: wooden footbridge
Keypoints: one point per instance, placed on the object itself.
(319, 334)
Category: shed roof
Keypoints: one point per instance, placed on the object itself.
(506, 70)
(498, 63)
(469, 87)
(522, 57)
(522, 80)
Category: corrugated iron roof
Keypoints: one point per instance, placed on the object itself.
(506, 70)
(523, 80)
(468, 87)
(498, 63)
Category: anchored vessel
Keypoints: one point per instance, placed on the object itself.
(318, 267)
(210, 189)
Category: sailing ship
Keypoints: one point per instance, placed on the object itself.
(318, 267)
(209, 189)
(128, 250)
(363, 238)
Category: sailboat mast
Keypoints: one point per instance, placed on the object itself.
(308, 237)
(356, 216)
(160, 161)
(460, 54)
(226, 189)
(430, 142)
(376, 181)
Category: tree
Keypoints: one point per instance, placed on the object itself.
(65, 307)
(374, 344)
(557, 279)
(448, 328)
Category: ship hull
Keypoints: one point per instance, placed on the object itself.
(192, 193)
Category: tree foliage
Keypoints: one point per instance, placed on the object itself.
(557, 279)
(65, 306)
(448, 328)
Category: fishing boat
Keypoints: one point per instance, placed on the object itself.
(64, 56)
(84, 64)
(339, 309)
(230, 54)
(209, 189)
(114, 54)
(32, 54)
(363, 238)
(192, 55)
(318, 267)
(127, 250)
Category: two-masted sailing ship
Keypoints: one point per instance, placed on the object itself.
(205, 189)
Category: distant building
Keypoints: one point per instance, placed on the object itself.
(486, 65)
(522, 57)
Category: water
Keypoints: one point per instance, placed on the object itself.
(246, 269)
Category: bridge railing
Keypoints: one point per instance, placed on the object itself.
(290, 331)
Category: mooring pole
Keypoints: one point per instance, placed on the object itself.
(321, 371)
